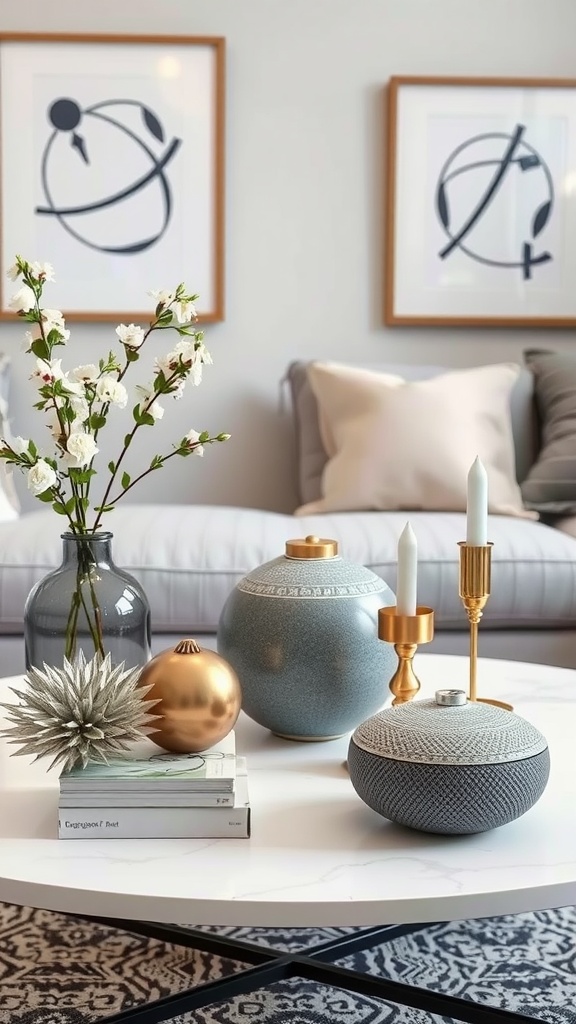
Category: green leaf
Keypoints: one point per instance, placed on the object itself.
(112, 467)
(125, 480)
(96, 421)
(204, 436)
(55, 338)
(59, 508)
(127, 440)
(157, 462)
(103, 508)
(40, 349)
(32, 449)
(70, 507)
(131, 355)
(45, 496)
(81, 476)
(142, 418)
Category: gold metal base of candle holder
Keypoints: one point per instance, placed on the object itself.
(406, 632)
(495, 703)
(474, 590)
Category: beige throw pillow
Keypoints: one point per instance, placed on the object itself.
(397, 444)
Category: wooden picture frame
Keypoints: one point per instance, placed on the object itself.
(481, 202)
(112, 169)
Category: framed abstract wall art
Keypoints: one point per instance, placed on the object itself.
(112, 168)
(481, 202)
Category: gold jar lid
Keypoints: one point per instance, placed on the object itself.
(311, 547)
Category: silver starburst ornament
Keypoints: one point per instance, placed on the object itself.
(84, 711)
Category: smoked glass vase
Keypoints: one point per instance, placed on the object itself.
(87, 604)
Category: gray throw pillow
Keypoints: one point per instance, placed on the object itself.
(550, 486)
(311, 456)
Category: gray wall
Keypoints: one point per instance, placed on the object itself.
(304, 207)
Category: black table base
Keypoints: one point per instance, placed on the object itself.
(268, 966)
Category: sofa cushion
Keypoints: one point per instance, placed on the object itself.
(550, 486)
(188, 559)
(397, 444)
(311, 456)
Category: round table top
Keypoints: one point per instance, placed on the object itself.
(317, 854)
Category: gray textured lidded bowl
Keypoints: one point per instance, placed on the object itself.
(448, 765)
(301, 632)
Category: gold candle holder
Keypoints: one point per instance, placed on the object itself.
(406, 632)
(475, 573)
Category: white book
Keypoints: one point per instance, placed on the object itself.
(136, 798)
(162, 799)
(159, 822)
(148, 769)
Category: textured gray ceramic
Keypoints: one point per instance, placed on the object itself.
(448, 769)
(302, 635)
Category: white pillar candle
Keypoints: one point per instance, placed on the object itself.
(477, 505)
(407, 572)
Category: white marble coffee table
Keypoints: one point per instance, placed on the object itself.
(317, 855)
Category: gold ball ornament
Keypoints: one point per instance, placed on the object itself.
(199, 694)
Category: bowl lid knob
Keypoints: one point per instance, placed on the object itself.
(311, 547)
(451, 698)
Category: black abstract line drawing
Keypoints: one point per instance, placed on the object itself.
(517, 157)
(66, 117)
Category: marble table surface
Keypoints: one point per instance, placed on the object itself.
(317, 854)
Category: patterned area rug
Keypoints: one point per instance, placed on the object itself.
(56, 969)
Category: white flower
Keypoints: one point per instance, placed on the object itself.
(202, 358)
(48, 370)
(155, 409)
(203, 354)
(23, 300)
(82, 448)
(13, 272)
(185, 350)
(45, 270)
(72, 387)
(32, 335)
(196, 372)
(184, 312)
(53, 319)
(183, 353)
(166, 364)
(192, 437)
(130, 336)
(80, 408)
(163, 298)
(40, 477)
(20, 445)
(108, 389)
(86, 372)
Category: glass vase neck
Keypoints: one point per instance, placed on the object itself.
(95, 546)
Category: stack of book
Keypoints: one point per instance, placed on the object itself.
(149, 794)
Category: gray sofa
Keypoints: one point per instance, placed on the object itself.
(189, 557)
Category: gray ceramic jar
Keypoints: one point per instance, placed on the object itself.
(301, 633)
(448, 765)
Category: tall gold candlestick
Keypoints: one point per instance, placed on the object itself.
(406, 632)
(475, 573)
